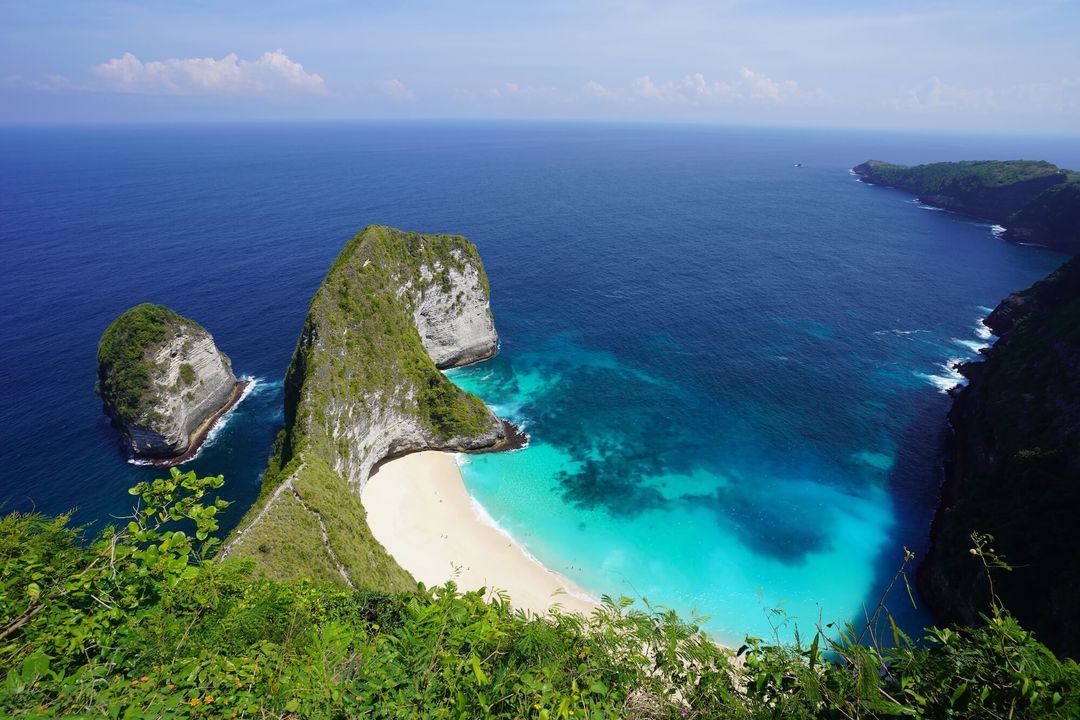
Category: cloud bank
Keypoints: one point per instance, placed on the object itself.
(694, 89)
(273, 73)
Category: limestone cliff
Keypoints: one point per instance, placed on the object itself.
(163, 381)
(364, 384)
(1015, 470)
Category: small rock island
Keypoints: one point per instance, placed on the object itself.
(164, 382)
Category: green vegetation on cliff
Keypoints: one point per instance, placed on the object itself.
(124, 364)
(1016, 470)
(970, 175)
(360, 368)
(137, 624)
(1037, 201)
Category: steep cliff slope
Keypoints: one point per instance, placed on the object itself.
(1052, 218)
(162, 380)
(1036, 201)
(1016, 470)
(364, 384)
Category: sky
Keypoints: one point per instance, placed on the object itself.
(986, 66)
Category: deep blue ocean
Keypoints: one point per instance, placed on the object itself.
(731, 368)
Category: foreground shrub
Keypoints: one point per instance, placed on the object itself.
(141, 624)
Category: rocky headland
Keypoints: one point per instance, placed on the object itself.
(365, 385)
(164, 382)
(1014, 470)
(1036, 202)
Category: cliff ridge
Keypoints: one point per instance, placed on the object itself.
(365, 385)
(1014, 470)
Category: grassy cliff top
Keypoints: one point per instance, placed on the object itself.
(359, 360)
(944, 175)
(1023, 194)
(124, 364)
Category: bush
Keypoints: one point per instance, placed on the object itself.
(142, 623)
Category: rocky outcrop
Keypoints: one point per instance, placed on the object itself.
(1014, 471)
(456, 327)
(364, 385)
(163, 381)
(1036, 202)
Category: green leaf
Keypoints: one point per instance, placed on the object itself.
(292, 706)
(477, 671)
(959, 694)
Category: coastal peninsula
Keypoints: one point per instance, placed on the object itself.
(1036, 202)
(1012, 467)
(365, 385)
(164, 382)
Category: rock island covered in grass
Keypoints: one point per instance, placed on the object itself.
(163, 381)
(1035, 201)
(365, 385)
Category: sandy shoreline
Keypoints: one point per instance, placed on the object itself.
(419, 509)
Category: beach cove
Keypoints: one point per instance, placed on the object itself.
(419, 510)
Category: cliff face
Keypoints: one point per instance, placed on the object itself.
(1051, 219)
(364, 385)
(162, 380)
(456, 327)
(1015, 471)
(1037, 202)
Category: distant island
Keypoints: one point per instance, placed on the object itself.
(164, 382)
(1035, 201)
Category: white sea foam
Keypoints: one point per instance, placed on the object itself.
(252, 383)
(137, 461)
(982, 331)
(997, 231)
(973, 345)
(899, 333)
(985, 310)
(948, 379)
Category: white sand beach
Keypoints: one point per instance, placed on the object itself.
(420, 511)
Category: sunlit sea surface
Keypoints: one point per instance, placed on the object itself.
(732, 369)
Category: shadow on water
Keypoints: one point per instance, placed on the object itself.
(914, 486)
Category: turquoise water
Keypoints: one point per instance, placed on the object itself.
(731, 369)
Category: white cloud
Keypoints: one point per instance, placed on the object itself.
(273, 73)
(596, 90)
(512, 90)
(695, 89)
(396, 90)
(1044, 97)
(50, 83)
(764, 89)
